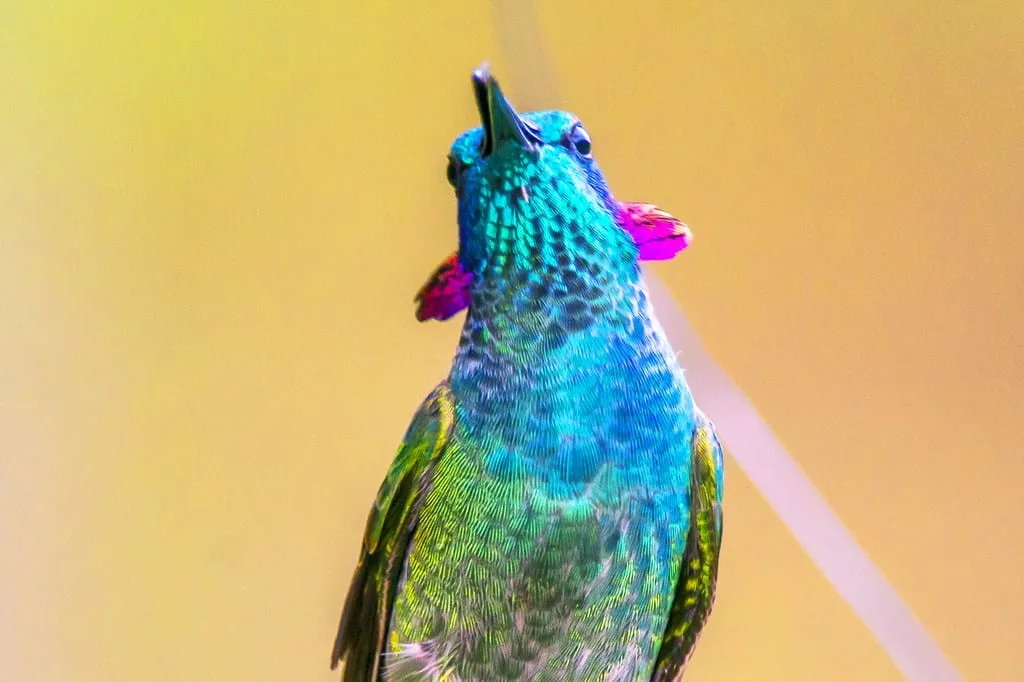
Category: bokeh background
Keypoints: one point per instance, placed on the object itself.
(214, 215)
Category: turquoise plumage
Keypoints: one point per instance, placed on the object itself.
(554, 511)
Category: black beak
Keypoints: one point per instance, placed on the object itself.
(501, 122)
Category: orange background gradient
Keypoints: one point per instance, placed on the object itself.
(214, 215)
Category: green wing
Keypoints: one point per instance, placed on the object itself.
(695, 590)
(364, 620)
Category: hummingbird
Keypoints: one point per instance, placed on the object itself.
(554, 511)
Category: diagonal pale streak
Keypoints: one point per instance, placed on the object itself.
(747, 437)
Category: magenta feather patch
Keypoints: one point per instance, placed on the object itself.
(445, 293)
(658, 234)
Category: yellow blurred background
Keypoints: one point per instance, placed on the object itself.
(214, 215)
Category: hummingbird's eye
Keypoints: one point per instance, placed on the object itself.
(580, 140)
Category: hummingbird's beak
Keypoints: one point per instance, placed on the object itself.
(501, 122)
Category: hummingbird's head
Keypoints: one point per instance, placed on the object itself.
(531, 197)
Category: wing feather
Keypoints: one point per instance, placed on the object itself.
(695, 589)
(363, 630)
